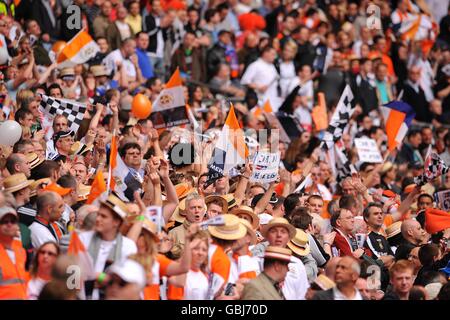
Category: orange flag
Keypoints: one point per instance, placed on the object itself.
(98, 187)
(319, 113)
(267, 107)
(436, 220)
(76, 248)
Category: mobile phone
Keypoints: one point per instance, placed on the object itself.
(229, 289)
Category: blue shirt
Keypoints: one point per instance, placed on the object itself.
(144, 63)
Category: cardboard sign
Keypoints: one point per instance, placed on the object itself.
(368, 150)
(443, 198)
(265, 167)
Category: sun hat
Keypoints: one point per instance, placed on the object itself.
(322, 282)
(117, 206)
(233, 229)
(7, 210)
(220, 198)
(300, 243)
(393, 229)
(34, 186)
(34, 160)
(99, 70)
(278, 253)
(231, 200)
(250, 230)
(16, 182)
(242, 209)
(279, 222)
(83, 192)
(151, 228)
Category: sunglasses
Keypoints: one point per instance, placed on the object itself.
(120, 282)
(9, 220)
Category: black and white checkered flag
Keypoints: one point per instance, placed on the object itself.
(339, 121)
(72, 110)
(433, 168)
(344, 167)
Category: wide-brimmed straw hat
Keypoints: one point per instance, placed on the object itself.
(16, 182)
(117, 206)
(393, 229)
(83, 192)
(250, 231)
(279, 222)
(230, 200)
(34, 186)
(216, 197)
(278, 253)
(300, 243)
(242, 209)
(151, 228)
(233, 229)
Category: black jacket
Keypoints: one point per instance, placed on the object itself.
(214, 57)
(152, 29)
(403, 250)
(418, 102)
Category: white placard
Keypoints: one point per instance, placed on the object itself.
(215, 221)
(265, 167)
(154, 214)
(368, 150)
(444, 200)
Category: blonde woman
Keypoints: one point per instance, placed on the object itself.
(194, 284)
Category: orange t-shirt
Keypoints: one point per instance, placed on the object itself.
(159, 269)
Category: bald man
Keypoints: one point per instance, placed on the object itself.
(413, 236)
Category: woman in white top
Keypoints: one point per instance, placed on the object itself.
(41, 268)
(195, 282)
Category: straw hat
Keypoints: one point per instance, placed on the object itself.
(393, 229)
(117, 206)
(250, 231)
(300, 243)
(151, 228)
(33, 160)
(386, 167)
(278, 253)
(324, 283)
(182, 190)
(16, 182)
(215, 197)
(83, 192)
(99, 71)
(233, 229)
(230, 200)
(80, 148)
(67, 72)
(279, 222)
(34, 186)
(242, 209)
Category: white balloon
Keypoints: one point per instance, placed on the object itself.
(10, 132)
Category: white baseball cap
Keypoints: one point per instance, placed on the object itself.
(7, 210)
(264, 218)
(130, 271)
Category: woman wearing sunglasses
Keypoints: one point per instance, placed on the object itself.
(41, 268)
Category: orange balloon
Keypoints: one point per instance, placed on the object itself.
(141, 107)
(58, 46)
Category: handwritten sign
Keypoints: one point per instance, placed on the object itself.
(368, 150)
(265, 167)
(444, 199)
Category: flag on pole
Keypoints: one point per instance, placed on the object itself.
(230, 149)
(258, 111)
(344, 167)
(72, 110)
(77, 249)
(319, 113)
(339, 121)
(169, 109)
(78, 50)
(398, 116)
(120, 178)
(434, 167)
(97, 188)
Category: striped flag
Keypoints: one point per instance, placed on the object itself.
(230, 149)
(120, 178)
(341, 116)
(71, 109)
(169, 109)
(398, 116)
(78, 50)
(97, 188)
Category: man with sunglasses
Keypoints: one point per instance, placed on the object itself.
(126, 281)
(12, 257)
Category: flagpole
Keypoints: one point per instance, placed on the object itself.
(108, 187)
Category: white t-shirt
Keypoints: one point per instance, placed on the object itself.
(196, 287)
(124, 30)
(338, 295)
(34, 288)
(115, 56)
(296, 283)
(40, 235)
(128, 248)
(262, 73)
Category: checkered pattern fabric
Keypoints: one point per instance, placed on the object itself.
(434, 167)
(72, 110)
(339, 121)
(343, 164)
